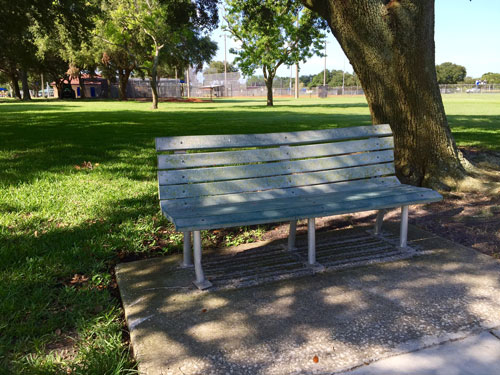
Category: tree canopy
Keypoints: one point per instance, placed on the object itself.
(218, 67)
(449, 73)
(271, 34)
(491, 77)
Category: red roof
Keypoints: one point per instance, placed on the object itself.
(91, 80)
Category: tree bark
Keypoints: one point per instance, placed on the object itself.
(390, 45)
(25, 85)
(269, 85)
(268, 78)
(14, 82)
(123, 76)
(81, 83)
(154, 82)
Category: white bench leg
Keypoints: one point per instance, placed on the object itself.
(311, 241)
(378, 222)
(403, 234)
(187, 260)
(292, 234)
(200, 282)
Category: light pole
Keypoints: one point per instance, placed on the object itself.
(324, 70)
(225, 66)
(343, 77)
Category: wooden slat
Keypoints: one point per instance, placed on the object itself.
(275, 182)
(298, 192)
(270, 139)
(288, 202)
(298, 213)
(184, 176)
(205, 159)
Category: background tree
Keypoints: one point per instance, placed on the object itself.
(26, 22)
(491, 77)
(218, 67)
(119, 43)
(390, 45)
(449, 73)
(270, 36)
(161, 31)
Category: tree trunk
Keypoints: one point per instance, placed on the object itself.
(81, 83)
(269, 85)
(123, 75)
(25, 85)
(14, 82)
(154, 82)
(390, 45)
(268, 79)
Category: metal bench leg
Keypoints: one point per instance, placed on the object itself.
(291, 235)
(311, 241)
(200, 282)
(378, 222)
(403, 234)
(187, 259)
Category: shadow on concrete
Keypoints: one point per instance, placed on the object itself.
(345, 318)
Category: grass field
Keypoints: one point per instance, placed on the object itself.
(78, 194)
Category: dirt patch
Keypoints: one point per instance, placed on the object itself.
(176, 100)
(470, 218)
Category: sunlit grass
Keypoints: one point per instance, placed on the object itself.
(78, 192)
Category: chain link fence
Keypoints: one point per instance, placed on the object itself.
(216, 85)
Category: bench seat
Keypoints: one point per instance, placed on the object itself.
(280, 209)
(221, 181)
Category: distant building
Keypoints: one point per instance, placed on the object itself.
(94, 86)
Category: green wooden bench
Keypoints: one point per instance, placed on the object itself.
(246, 179)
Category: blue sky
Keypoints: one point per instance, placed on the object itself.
(466, 33)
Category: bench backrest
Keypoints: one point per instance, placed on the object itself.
(253, 166)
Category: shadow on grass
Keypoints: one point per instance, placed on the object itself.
(41, 291)
(481, 131)
(123, 141)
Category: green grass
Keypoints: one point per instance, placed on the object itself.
(63, 226)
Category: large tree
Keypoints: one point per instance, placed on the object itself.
(272, 33)
(390, 45)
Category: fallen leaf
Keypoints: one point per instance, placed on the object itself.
(204, 310)
(315, 359)
(58, 332)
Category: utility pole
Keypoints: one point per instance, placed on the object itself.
(43, 89)
(343, 77)
(297, 71)
(324, 71)
(225, 66)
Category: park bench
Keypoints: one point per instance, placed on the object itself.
(219, 181)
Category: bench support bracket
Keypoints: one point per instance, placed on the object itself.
(311, 241)
(187, 260)
(291, 235)
(378, 223)
(403, 234)
(201, 282)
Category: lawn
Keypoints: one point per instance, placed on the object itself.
(78, 194)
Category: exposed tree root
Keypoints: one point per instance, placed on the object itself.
(482, 175)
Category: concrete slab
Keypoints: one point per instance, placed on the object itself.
(474, 355)
(329, 323)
